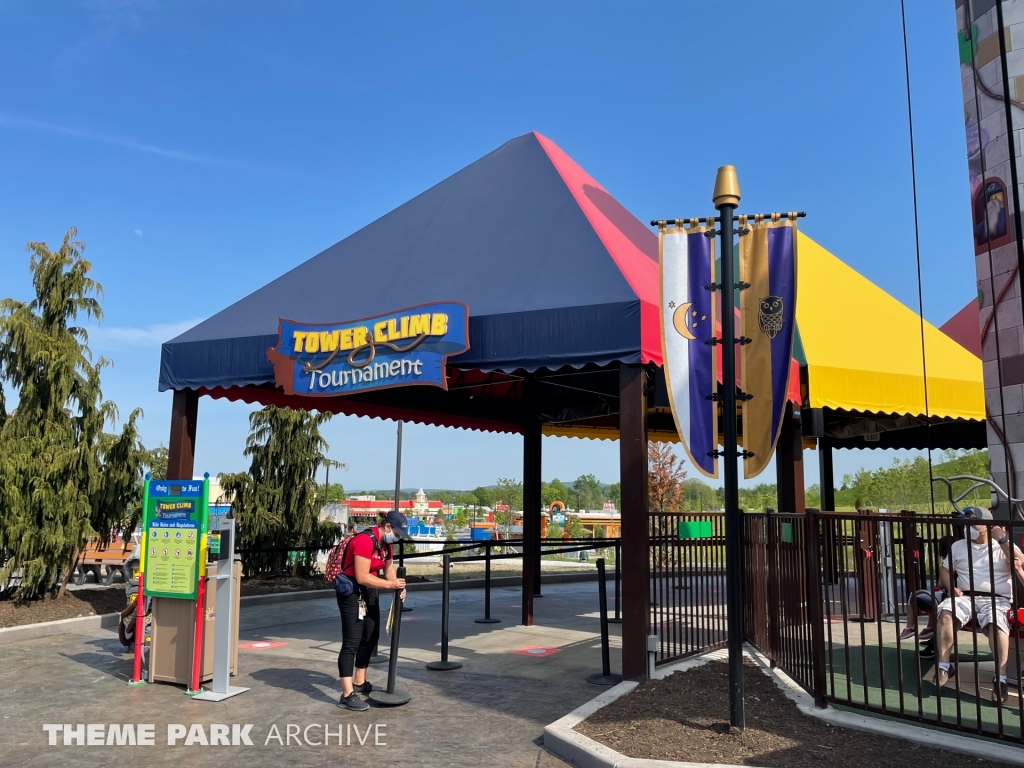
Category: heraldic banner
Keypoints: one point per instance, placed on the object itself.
(768, 310)
(687, 325)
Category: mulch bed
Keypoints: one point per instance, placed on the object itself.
(268, 585)
(686, 717)
(81, 602)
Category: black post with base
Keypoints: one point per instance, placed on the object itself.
(391, 697)
(444, 664)
(605, 676)
(487, 619)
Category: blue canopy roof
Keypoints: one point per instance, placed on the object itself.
(554, 272)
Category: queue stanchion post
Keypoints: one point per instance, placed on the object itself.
(140, 632)
(444, 664)
(401, 564)
(197, 637)
(605, 677)
(392, 697)
(617, 618)
(487, 588)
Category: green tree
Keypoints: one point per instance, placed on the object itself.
(813, 496)
(156, 463)
(759, 497)
(554, 491)
(974, 463)
(454, 522)
(575, 527)
(698, 496)
(62, 479)
(275, 502)
(587, 490)
(467, 499)
(508, 493)
(333, 493)
(485, 496)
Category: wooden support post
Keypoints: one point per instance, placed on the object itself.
(181, 450)
(636, 576)
(831, 555)
(531, 515)
(826, 477)
(789, 464)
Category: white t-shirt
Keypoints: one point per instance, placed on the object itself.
(979, 561)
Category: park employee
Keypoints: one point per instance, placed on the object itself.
(367, 554)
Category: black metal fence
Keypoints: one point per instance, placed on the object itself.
(687, 583)
(484, 551)
(844, 603)
(850, 612)
(847, 605)
(779, 617)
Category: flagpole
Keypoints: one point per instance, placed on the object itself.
(726, 197)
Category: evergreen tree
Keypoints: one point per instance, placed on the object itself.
(62, 480)
(276, 502)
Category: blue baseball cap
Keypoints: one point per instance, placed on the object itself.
(399, 523)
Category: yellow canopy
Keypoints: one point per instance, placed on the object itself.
(863, 347)
(863, 351)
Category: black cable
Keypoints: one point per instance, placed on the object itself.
(917, 247)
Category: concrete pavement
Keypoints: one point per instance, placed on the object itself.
(492, 712)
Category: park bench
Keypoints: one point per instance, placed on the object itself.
(104, 562)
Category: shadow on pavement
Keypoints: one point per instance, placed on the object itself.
(298, 679)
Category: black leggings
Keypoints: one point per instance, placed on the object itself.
(358, 637)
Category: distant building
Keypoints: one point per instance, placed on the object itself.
(419, 507)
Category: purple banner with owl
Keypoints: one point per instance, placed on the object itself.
(768, 310)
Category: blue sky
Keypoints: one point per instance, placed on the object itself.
(203, 149)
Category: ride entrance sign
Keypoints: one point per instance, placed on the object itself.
(409, 347)
(174, 524)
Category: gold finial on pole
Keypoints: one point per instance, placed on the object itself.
(727, 188)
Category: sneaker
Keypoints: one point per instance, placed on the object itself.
(927, 650)
(908, 632)
(353, 702)
(927, 633)
(364, 688)
(1000, 692)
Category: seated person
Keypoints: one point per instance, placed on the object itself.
(924, 602)
(983, 572)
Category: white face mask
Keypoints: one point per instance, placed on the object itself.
(392, 538)
(975, 533)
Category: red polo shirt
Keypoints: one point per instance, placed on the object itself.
(365, 544)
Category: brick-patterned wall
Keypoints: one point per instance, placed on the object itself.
(994, 153)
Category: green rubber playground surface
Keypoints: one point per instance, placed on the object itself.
(890, 682)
